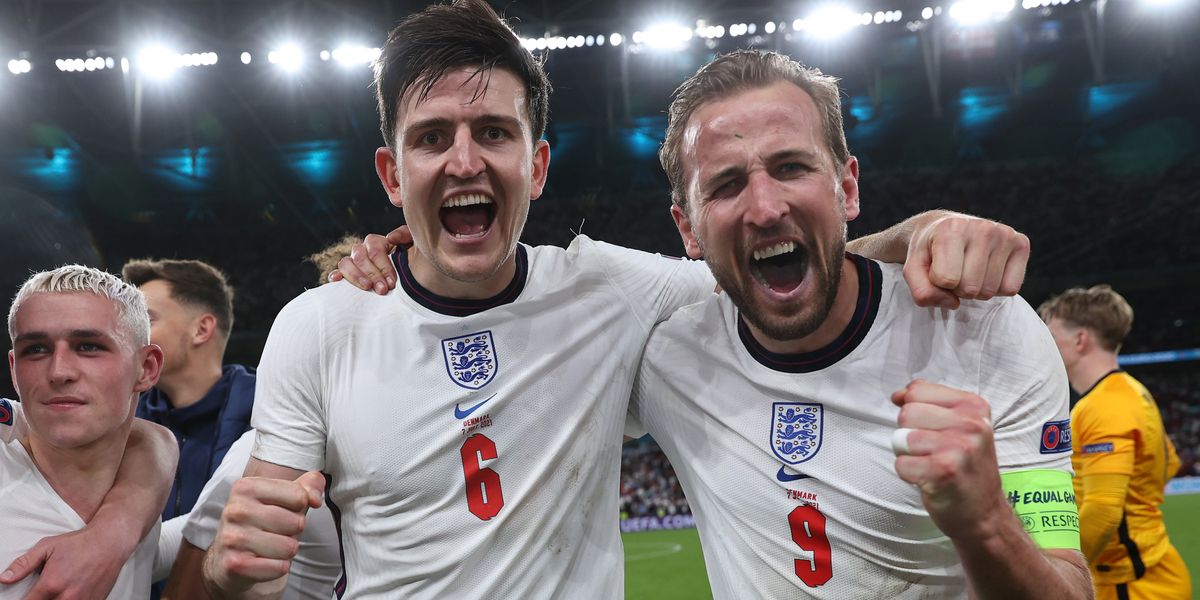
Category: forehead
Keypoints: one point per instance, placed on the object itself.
(58, 313)
(462, 93)
(778, 116)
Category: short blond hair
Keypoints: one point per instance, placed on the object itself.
(1098, 308)
(77, 279)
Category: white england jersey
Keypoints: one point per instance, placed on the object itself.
(472, 446)
(317, 565)
(786, 460)
(33, 510)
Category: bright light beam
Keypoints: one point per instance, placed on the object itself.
(665, 36)
(157, 62)
(288, 57)
(831, 21)
(977, 12)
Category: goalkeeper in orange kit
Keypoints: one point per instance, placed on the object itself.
(1121, 455)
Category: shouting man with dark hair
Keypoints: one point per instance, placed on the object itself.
(466, 431)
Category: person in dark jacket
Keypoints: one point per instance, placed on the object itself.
(206, 404)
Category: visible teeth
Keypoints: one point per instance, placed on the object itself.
(776, 250)
(467, 200)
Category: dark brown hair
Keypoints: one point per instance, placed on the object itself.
(194, 283)
(465, 33)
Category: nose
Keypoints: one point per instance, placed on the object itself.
(766, 206)
(64, 366)
(465, 160)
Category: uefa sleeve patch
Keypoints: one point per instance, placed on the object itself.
(1056, 437)
(6, 413)
(1098, 448)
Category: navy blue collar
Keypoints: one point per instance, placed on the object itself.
(870, 286)
(159, 409)
(459, 307)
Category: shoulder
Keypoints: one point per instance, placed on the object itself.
(693, 324)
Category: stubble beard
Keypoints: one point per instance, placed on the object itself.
(800, 323)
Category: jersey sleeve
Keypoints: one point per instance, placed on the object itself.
(1023, 379)
(289, 412)
(653, 285)
(1106, 435)
(201, 527)
(12, 421)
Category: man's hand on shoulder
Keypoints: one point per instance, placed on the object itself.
(369, 265)
(956, 256)
(259, 532)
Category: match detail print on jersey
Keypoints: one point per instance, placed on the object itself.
(1045, 502)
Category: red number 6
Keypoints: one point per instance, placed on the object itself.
(484, 497)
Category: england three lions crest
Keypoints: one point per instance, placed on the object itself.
(471, 359)
(796, 430)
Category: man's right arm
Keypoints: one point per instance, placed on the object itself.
(259, 531)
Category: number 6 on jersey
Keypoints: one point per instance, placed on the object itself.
(484, 497)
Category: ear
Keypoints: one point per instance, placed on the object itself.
(849, 187)
(151, 359)
(541, 166)
(205, 329)
(684, 224)
(385, 167)
(1083, 339)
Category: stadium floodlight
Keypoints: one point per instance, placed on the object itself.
(831, 21)
(246, 58)
(976, 12)
(352, 55)
(616, 39)
(769, 27)
(156, 62)
(664, 36)
(288, 57)
(19, 66)
(927, 13)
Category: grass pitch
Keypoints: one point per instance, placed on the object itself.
(669, 565)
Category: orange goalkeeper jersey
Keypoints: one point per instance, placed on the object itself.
(1118, 417)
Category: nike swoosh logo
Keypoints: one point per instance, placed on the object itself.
(459, 413)
(785, 477)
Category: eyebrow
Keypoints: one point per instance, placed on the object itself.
(793, 153)
(444, 123)
(75, 334)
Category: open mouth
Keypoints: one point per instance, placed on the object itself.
(780, 267)
(468, 215)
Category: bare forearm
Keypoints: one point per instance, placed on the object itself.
(133, 504)
(1009, 566)
(891, 244)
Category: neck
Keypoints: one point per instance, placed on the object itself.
(844, 303)
(80, 476)
(192, 383)
(1090, 369)
(444, 285)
